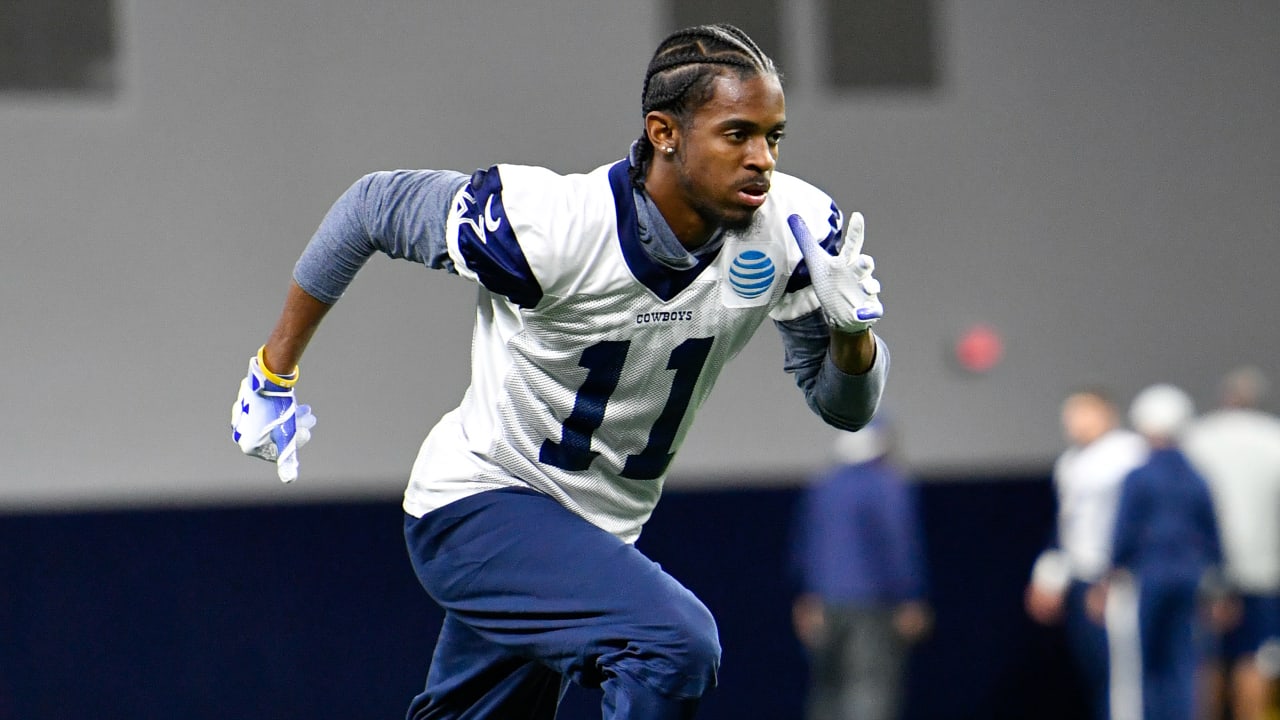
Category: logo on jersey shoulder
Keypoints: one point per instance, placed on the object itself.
(465, 210)
(751, 274)
(483, 243)
(491, 223)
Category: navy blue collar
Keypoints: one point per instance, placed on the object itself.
(665, 280)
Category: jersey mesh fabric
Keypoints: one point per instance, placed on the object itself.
(585, 395)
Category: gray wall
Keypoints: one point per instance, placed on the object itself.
(1100, 180)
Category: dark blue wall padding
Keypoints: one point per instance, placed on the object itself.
(313, 611)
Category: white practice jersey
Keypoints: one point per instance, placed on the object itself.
(1238, 452)
(589, 359)
(1088, 481)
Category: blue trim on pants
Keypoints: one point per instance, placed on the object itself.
(535, 596)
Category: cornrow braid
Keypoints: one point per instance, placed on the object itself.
(681, 74)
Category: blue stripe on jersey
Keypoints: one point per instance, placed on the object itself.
(664, 281)
(489, 245)
(800, 277)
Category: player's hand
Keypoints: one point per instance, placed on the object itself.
(809, 620)
(913, 620)
(1095, 601)
(267, 422)
(848, 294)
(1045, 606)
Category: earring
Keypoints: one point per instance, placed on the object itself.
(669, 150)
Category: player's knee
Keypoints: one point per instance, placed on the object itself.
(701, 642)
(683, 658)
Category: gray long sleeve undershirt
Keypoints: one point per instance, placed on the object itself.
(403, 214)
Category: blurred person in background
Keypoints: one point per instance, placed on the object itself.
(1166, 545)
(1237, 449)
(1087, 478)
(858, 556)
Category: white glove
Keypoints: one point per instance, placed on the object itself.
(843, 282)
(267, 422)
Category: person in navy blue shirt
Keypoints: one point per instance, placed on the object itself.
(857, 553)
(1166, 541)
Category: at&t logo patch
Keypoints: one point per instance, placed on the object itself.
(751, 274)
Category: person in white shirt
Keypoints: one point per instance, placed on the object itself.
(1237, 449)
(1087, 478)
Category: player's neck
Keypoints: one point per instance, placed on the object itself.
(1093, 437)
(690, 228)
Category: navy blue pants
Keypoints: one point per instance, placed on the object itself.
(1167, 619)
(535, 597)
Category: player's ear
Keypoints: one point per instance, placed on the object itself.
(662, 129)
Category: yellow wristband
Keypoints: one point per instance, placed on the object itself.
(284, 382)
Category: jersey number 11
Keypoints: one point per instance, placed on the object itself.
(603, 362)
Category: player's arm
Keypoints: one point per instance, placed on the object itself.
(298, 321)
(1132, 513)
(853, 353)
(841, 378)
(402, 214)
(845, 385)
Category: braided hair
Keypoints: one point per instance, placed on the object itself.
(682, 73)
